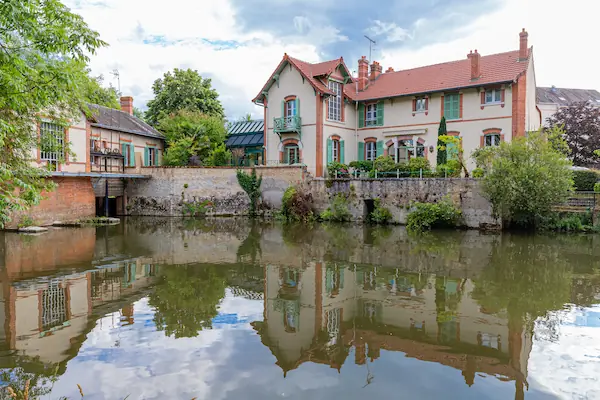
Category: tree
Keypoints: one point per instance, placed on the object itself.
(456, 143)
(139, 114)
(183, 90)
(189, 134)
(581, 124)
(526, 178)
(442, 155)
(95, 93)
(251, 184)
(43, 54)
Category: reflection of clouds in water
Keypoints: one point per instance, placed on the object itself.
(569, 367)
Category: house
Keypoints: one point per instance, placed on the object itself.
(318, 113)
(246, 138)
(105, 147)
(551, 99)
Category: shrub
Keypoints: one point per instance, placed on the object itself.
(597, 187)
(251, 184)
(425, 216)
(337, 170)
(568, 222)
(196, 208)
(449, 170)
(337, 210)
(380, 215)
(585, 180)
(478, 173)
(362, 166)
(385, 163)
(416, 164)
(26, 221)
(220, 156)
(296, 205)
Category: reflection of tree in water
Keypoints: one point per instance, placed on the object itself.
(40, 382)
(249, 251)
(186, 298)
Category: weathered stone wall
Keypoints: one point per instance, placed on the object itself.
(72, 199)
(169, 188)
(397, 194)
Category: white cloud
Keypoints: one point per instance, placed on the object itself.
(391, 31)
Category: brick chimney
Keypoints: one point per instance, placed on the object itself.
(523, 49)
(475, 58)
(127, 104)
(376, 70)
(363, 73)
(390, 69)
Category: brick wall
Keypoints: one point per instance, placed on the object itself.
(167, 190)
(72, 199)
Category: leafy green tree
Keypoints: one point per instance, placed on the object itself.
(442, 155)
(186, 298)
(189, 134)
(182, 90)
(138, 113)
(44, 49)
(526, 178)
(95, 93)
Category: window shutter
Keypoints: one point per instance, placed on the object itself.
(131, 155)
(342, 278)
(124, 149)
(361, 115)
(426, 105)
(283, 108)
(156, 154)
(329, 151)
(380, 106)
(414, 105)
(146, 157)
(297, 106)
(361, 151)
(379, 148)
(482, 98)
(342, 158)
(502, 96)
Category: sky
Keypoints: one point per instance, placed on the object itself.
(238, 43)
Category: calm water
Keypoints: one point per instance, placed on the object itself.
(172, 309)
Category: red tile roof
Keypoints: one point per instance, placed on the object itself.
(310, 71)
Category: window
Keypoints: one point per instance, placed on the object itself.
(452, 106)
(151, 157)
(335, 148)
(54, 310)
(128, 154)
(333, 318)
(492, 139)
(52, 148)
(291, 154)
(420, 104)
(335, 102)
(290, 108)
(370, 151)
(493, 96)
(371, 115)
(94, 147)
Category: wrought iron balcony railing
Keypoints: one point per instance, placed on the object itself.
(287, 124)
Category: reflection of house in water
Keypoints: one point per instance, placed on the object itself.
(319, 312)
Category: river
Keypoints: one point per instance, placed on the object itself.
(229, 309)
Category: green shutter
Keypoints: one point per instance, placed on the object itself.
(361, 115)
(342, 269)
(156, 153)
(146, 157)
(342, 158)
(123, 149)
(361, 151)
(379, 148)
(380, 107)
(329, 151)
(451, 106)
(131, 155)
(283, 108)
(297, 106)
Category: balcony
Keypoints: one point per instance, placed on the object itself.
(106, 160)
(287, 124)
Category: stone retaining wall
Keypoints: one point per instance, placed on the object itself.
(397, 194)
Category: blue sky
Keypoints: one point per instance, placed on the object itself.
(238, 43)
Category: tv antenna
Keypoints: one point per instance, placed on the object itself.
(371, 43)
(115, 73)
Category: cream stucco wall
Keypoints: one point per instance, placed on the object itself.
(113, 140)
(547, 110)
(533, 119)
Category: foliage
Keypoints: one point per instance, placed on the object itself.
(297, 205)
(337, 170)
(139, 114)
(362, 166)
(220, 156)
(443, 142)
(189, 134)
(585, 180)
(95, 93)
(186, 298)
(557, 137)
(385, 163)
(581, 131)
(597, 187)
(337, 210)
(569, 222)
(251, 184)
(424, 216)
(484, 156)
(416, 164)
(528, 176)
(380, 214)
(43, 53)
(197, 208)
(183, 90)
(442, 155)
(449, 170)
(26, 221)
(478, 173)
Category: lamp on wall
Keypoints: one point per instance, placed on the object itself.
(431, 149)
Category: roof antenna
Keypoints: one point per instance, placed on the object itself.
(115, 73)
(371, 43)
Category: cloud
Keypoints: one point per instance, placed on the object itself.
(391, 31)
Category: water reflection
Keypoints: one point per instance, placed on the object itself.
(229, 309)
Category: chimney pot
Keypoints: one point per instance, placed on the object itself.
(523, 49)
(376, 70)
(390, 69)
(363, 73)
(475, 58)
(127, 104)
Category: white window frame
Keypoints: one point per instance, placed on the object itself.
(335, 150)
(490, 136)
(496, 96)
(420, 104)
(290, 108)
(370, 151)
(58, 133)
(334, 112)
(371, 114)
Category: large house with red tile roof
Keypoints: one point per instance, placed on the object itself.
(318, 113)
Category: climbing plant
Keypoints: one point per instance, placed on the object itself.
(251, 183)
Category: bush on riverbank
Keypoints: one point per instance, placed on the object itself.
(380, 214)
(337, 210)
(425, 216)
(585, 180)
(570, 222)
(297, 205)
